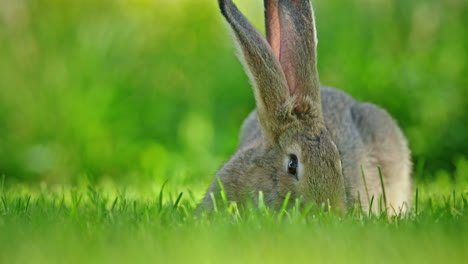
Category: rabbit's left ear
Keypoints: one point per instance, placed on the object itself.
(291, 33)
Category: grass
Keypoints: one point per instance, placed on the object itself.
(125, 89)
(107, 225)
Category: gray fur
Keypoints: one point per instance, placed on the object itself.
(331, 134)
(366, 136)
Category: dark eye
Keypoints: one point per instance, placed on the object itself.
(292, 165)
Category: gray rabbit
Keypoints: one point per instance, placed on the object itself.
(310, 141)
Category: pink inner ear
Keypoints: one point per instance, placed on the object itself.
(281, 44)
(273, 28)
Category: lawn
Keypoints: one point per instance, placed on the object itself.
(118, 225)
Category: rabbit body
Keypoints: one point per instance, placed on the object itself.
(366, 136)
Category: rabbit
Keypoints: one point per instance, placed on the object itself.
(304, 140)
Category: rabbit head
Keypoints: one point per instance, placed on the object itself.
(295, 153)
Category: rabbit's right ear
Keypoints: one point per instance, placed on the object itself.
(263, 68)
(290, 29)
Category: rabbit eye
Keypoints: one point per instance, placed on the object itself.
(292, 165)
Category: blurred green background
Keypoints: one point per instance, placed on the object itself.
(148, 90)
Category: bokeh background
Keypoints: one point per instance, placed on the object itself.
(149, 90)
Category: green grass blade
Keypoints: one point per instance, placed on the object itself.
(161, 194)
(176, 204)
(383, 187)
(365, 184)
(222, 192)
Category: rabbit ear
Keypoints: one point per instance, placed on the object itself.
(291, 33)
(263, 67)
